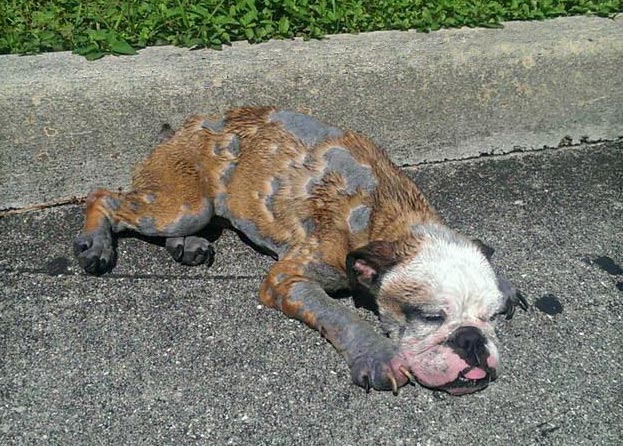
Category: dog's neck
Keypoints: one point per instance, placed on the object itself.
(398, 206)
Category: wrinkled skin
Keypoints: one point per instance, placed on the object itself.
(436, 365)
(439, 307)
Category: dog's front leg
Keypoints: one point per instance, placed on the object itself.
(372, 357)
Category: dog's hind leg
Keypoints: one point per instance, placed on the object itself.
(169, 199)
(152, 213)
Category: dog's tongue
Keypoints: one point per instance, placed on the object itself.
(475, 374)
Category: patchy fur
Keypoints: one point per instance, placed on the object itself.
(334, 212)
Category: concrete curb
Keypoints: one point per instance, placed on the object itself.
(69, 125)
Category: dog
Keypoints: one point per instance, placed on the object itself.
(336, 214)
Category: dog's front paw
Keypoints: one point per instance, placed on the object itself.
(380, 368)
(95, 251)
(190, 250)
(513, 296)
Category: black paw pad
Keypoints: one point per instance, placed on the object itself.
(95, 251)
(190, 250)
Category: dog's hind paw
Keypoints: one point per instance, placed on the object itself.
(95, 251)
(190, 250)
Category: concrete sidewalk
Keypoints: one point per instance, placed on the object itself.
(68, 125)
(157, 353)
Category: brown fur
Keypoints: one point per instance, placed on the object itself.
(184, 170)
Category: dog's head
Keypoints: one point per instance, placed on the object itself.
(438, 298)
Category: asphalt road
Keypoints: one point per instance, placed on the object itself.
(157, 353)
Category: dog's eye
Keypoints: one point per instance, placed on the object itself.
(415, 313)
(434, 318)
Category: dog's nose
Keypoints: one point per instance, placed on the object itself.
(469, 344)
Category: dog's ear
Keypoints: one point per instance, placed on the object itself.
(366, 265)
(486, 250)
(513, 297)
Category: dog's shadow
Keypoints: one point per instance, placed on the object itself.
(214, 231)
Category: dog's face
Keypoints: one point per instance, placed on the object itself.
(438, 298)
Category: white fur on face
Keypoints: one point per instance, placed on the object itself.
(455, 274)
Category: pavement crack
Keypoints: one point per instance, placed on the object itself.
(565, 143)
(41, 206)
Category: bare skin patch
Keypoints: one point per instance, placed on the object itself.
(359, 218)
(339, 161)
(248, 228)
(330, 278)
(252, 232)
(186, 223)
(227, 173)
(357, 176)
(111, 203)
(213, 126)
(275, 185)
(233, 147)
(309, 225)
(309, 130)
(220, 206)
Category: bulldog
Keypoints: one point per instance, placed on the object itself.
(335, 213)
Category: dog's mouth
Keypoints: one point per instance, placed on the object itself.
(470, 379)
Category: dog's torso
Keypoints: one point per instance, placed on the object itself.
(290, 183)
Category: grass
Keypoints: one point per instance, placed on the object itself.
(95, 28)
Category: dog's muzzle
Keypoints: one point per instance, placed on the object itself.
(469, 344)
